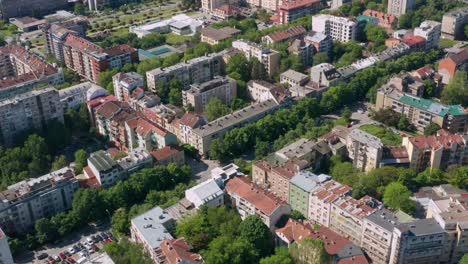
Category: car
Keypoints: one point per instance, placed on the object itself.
(42, 256)
(89, 240)
(62, 256)
(349, 125)
(111, 236)
(67, 253)
(56, 258)
(104, 235)
(108, 240)
(76, 248)
(71, 260)
(91, 251)
(82, 254)
(99, 238)
(71, 250)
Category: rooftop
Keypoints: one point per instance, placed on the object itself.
(422, 227)
(288, 5)
(437, 142)
(178, 251)
(209, 85)
(431, 106)
(384, 218)
(102, 161)
(166, 152)
(366, 138)
(206, 191)
(315, 37)
(219, 34)
(308, 181)
(337, 19)
(282, 35)
(294, 75)
(153, 225)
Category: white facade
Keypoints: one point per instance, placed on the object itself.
(364, 149)
(339, 28)
(206, 193)
(399, 7)
(74, 96)
(430, 31)
(125, 83)
(105, 169)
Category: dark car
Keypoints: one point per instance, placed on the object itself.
(42, 256)
(94, 238)
(104, 235)
(99, 238)
(68, 254)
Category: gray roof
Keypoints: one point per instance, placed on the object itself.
(423, 227)
(350, 250)
(102, 161)
(366, 138)
(384, 218)
(153, 226)
(294, 75)
(308, 181)
(207, 190)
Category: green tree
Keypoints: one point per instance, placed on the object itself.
(309, 250)
(319, 58)
(46, 231)
(218, 150)
(375, 34)
(459, 178)
(297, 215)
(36, 147)
(397, 196)
(126, 252)
(346, 114)
(59, 163)
(225, 249)
(456, 92)
(281, 256)
(256, 232)
(120, 222)
(431, 129)
(79, 9)
(105, 80)
(403, 123)
(464, 259)
(175, 97)
(215, 109)
(258, 70)
(262, 149)
(88, 205)
(80, 160)
(239, 64)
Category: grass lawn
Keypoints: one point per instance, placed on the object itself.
(340, 122)
(388, 137)
(446, 43)
(174, 39)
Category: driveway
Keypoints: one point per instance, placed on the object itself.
(201, 170)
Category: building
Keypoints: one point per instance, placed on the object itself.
(200, 94)
(102, 258)
(210, 5)
(303, 50)
(453, 23)
(261, 91)
(436, 152)
(421, 112)
(320, 41)
(301, 186)
(364, 149)
(197, 70)
(125, 83)
(21, 71)
(96, 5)
(202, 136)
(214, 36)
(27, 201)
(144, 134)
(430, 31)
(5, 252)
(77, 95)
(13, 8)
(28, 111)
(206, 193)
(169, 154)
(225, 11)
(150, 229)
(250, 199)
(102, 167)
(293, 78)
(178, 250)
(223, 174)
(27, 24)
(325, 75)
(135, 160)
(314, 152)
(386, 21)
(452, 63)
(179, 24)
(268, 57)
(294, 9)
(338, 28)
(399, 7)
(279, 36)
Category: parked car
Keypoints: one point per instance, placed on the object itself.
(71, 260)
(56, 258)
(104, 235)
(42, 256)
(62, 256)
(76, 248)
(89, 240)
(71, 250)
(67, 253)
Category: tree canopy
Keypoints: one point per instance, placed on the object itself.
(215, 109)
(456, 92)
(397, 196)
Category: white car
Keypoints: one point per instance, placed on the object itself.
(89, 240)
(82, 254)
(71, 250)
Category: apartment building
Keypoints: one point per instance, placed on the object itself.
(293, 78)
(314, 152)
(430, 31)
(386, 21)
(15, 8)
(27, 201)
(199, 94)
(452, 63)
(21, 71)
(279, 36)
(436, 152)
(206, 193)
(184, 126)
(178, 251)
(28, 111)
(196, 70)
(268, 57)
(150, 229)
(320, 41)
(125, 83)
(102, 167)
(250, 199)
(301, 186)
(338, 28)
(214, 36)
(261, 91)
(325, 75)
(364, 149)
(77, 95)
(399, 7)
(421, 112)
(291, 10)
(141, 133)
(202, 136)
(303, 50)
(109, 121)
(5, 252)
(222, 174)
(453, 23)
(210, 5)
(169, 154)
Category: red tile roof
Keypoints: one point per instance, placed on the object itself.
(178, 250)
(189, 119)
(111, 108)
(144, 127)
(383, 17)
(263, 200)
(361, 259)
(166, 152)
(288, 5)
(286, 34)
(81, 44)
(437, 142)
(119, 50)
(414, 40)
(101, 100)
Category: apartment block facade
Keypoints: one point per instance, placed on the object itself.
(27, 201)
(364, 149)
(430, 31)
(339, 28)
(15, 8)
(399, 7)
(125, 84)
(198, 70)
(268, 57)
(301, 186)
(31, 110)
(198, 96)
(453, 22)
(291, 10)
(5, 252)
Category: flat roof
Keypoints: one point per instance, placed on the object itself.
(308, 181)
(366, 138)
(102, 161)
(152, 226)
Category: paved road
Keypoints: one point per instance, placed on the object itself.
(201, 170)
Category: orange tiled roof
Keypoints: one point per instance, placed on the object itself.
(286, 34)
(166, 152)
(178, 250)
(288, 5)
(144, 127)
(436, 142)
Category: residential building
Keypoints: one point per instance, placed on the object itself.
(314, 152)
(386, 21)
(325, 75)
(102, 258)
(202, 136)
(196, 70)
(293, 78)
(415, 43)
(279, 36)
(276, 177)
(150, 229)
(453, 23)
(320, 41)
(21, 71)
(436, 152)
(214, 36)
(364, 149)
(59, 16)
(340, 248)
(303, 50)
(430, 31)
(399, 7)
(102, 167)
(28, 111)
(301, 186)
(180, 24)
(268, 57)
(135, 160)
(210, 5)
(250, 199)
(15, 8)
(178, 250)
(421, 112)
(223, 174)
(452, 63)
(27, 201)
(335, 4)
(5, 252)
(183, 127)
(124, 83)
(169, 154)
(261, 91)
(225, 11)
(27, 24)
(206, 193)
(200, 94)
(291, 10)
(142, 133)
(77, 95)
(96, 5)
(434, 193)
(338, 28)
